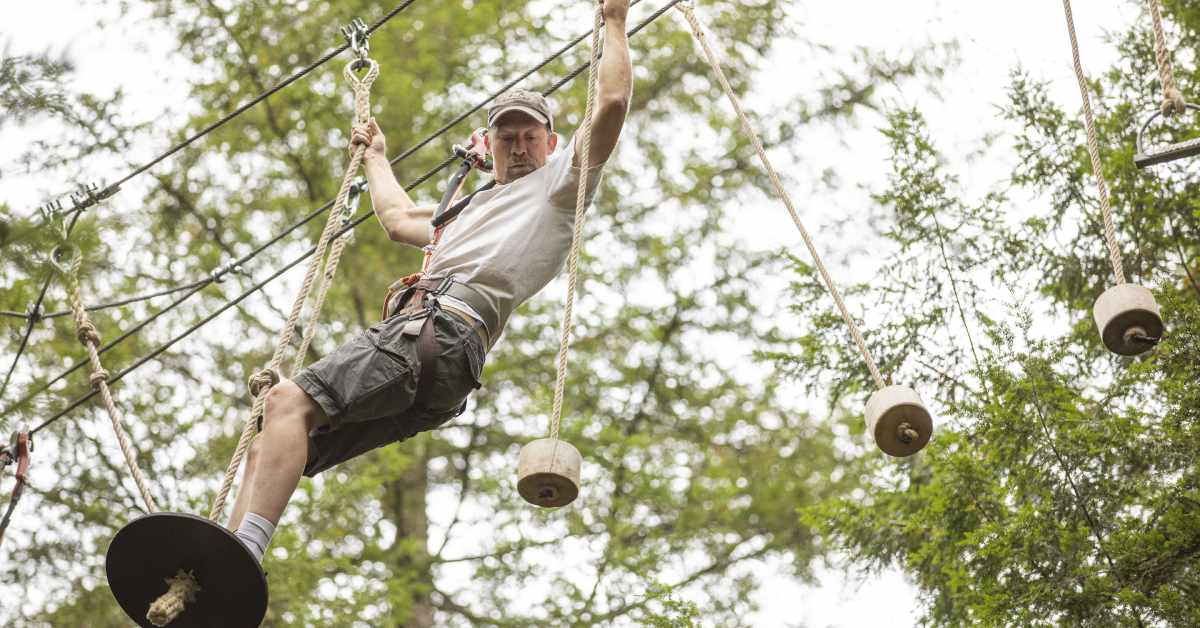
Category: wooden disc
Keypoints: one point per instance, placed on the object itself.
(548, 490)
(890, 407)
(548, 473)
(153, 548)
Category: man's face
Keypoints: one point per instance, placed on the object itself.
(519, 145)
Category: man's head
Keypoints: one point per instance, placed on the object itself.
(520, 134)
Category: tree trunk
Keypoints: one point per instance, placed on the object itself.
(407, 498)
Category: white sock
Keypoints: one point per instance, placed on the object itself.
(255, 532)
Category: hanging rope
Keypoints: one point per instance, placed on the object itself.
(262, 381)
(698, 32)
(86, 332)
(1173, 102)
(1093, 145)
(581, 202)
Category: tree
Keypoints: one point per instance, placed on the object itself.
(694, 465)
(1061, 484)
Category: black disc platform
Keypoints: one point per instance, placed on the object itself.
(149, 550)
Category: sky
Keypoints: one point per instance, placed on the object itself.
(993, 38)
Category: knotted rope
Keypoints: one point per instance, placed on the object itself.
(266, 379)
(581, 203)
(182, 588)
(698, 32)
(86, 332)
(1173, 102)
(1093, 145)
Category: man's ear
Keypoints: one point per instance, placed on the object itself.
(552, 142)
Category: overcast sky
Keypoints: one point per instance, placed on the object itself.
(994, 37)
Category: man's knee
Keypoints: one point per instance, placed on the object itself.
(287, 403)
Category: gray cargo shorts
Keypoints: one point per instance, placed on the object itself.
(368, 386)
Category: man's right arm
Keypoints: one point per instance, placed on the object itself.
(402, 219)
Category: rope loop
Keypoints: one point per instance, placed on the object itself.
(361, 87)
(262, 381)
(66, 258)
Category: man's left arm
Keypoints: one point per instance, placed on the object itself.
(614, 85)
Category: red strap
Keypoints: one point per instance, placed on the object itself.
(18, 452)
(22, 454)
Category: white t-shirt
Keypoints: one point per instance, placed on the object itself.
(514, 238)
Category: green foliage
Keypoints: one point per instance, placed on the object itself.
(1060, 487)
(695, 462)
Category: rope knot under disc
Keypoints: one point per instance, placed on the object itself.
(262, 381)
(183, 588)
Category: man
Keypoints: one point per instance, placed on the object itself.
(413, 371)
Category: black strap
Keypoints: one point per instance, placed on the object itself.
(454, 210)
(427, 355)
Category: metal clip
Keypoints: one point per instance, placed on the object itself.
(359, 40)
(50, 210)
(218, 275)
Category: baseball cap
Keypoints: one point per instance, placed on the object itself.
(528, 102)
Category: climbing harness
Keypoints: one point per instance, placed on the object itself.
(16, 452)
(416, 295)
(548, 468)
(1173, 103)
(1126, 314)
(197, 557)
(896, 417)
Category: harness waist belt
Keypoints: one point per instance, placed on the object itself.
(414, 296)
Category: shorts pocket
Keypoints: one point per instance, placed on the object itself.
(374, 382)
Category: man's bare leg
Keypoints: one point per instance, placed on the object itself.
(244, 488)
(275, 461)
(290, 415)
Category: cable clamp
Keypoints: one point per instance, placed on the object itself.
(33, 312)
(218, 275)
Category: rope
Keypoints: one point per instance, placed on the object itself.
(698, 31)
(362, 114)
(363, 217)
(1093, 146)
(86, 332)
(1173, 102)
(581, 203)
(362, 91)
